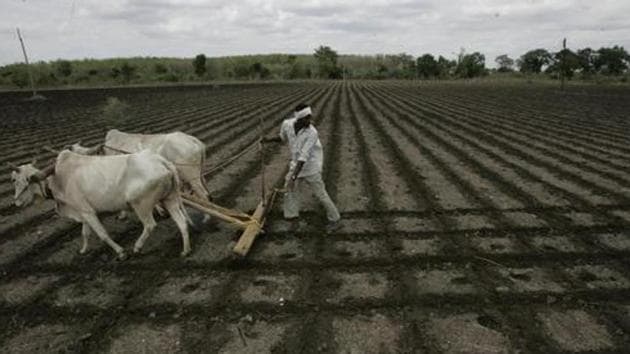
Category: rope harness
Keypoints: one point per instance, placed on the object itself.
(229, 160)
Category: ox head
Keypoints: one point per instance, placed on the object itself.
(27, 181)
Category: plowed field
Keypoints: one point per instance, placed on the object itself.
(475, 218)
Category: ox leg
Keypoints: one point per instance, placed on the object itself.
(145, 214)
(199, 191)
(176, 209)
(160, 210)
(85, 233)
(94, 223)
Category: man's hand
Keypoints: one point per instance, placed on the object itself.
(291, 185)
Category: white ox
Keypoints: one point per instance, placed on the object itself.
(186, 152)
(83, 186)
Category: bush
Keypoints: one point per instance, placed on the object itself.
(127, 72)
(64, 68)
(19, 78)
(160, 68)
(170, 77)
(115, 112)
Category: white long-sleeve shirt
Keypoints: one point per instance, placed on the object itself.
(287, 133)
(308, 148)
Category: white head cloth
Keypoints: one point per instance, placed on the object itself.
(303, 113)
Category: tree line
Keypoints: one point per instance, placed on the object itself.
(324, 63)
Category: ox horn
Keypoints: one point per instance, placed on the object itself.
(13, 166)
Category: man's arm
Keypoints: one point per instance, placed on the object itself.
(304, 154)
(297, 170)
(281, 138)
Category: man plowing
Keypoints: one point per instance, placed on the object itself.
(305, 167)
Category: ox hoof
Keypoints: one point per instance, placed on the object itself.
(122, 256)
(83, 251)
(137, 250)
(185, 253)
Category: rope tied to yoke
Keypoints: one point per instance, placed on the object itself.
(229, 160)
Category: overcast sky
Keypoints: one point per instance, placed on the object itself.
(74, 29)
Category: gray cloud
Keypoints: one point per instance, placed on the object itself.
(93, 28)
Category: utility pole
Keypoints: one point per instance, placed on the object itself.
(28, 67)
(563, 63)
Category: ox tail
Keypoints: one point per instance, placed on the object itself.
(177, 183)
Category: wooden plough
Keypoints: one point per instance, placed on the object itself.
(252, 225)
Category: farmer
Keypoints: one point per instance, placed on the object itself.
(305, 168)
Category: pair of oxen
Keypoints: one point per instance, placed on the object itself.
(130, 171)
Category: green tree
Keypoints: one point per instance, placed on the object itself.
(506, 64)
(64, 68)
(565, 62)
(199, 63)
(427, 66)
(586, 59)
(471, 65)
(403, 66)
(260, 71)
(612, 61)
(534, 60)
(446, 67)
(327, 62)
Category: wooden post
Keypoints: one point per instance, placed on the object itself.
(563, 63)
(28, 67)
